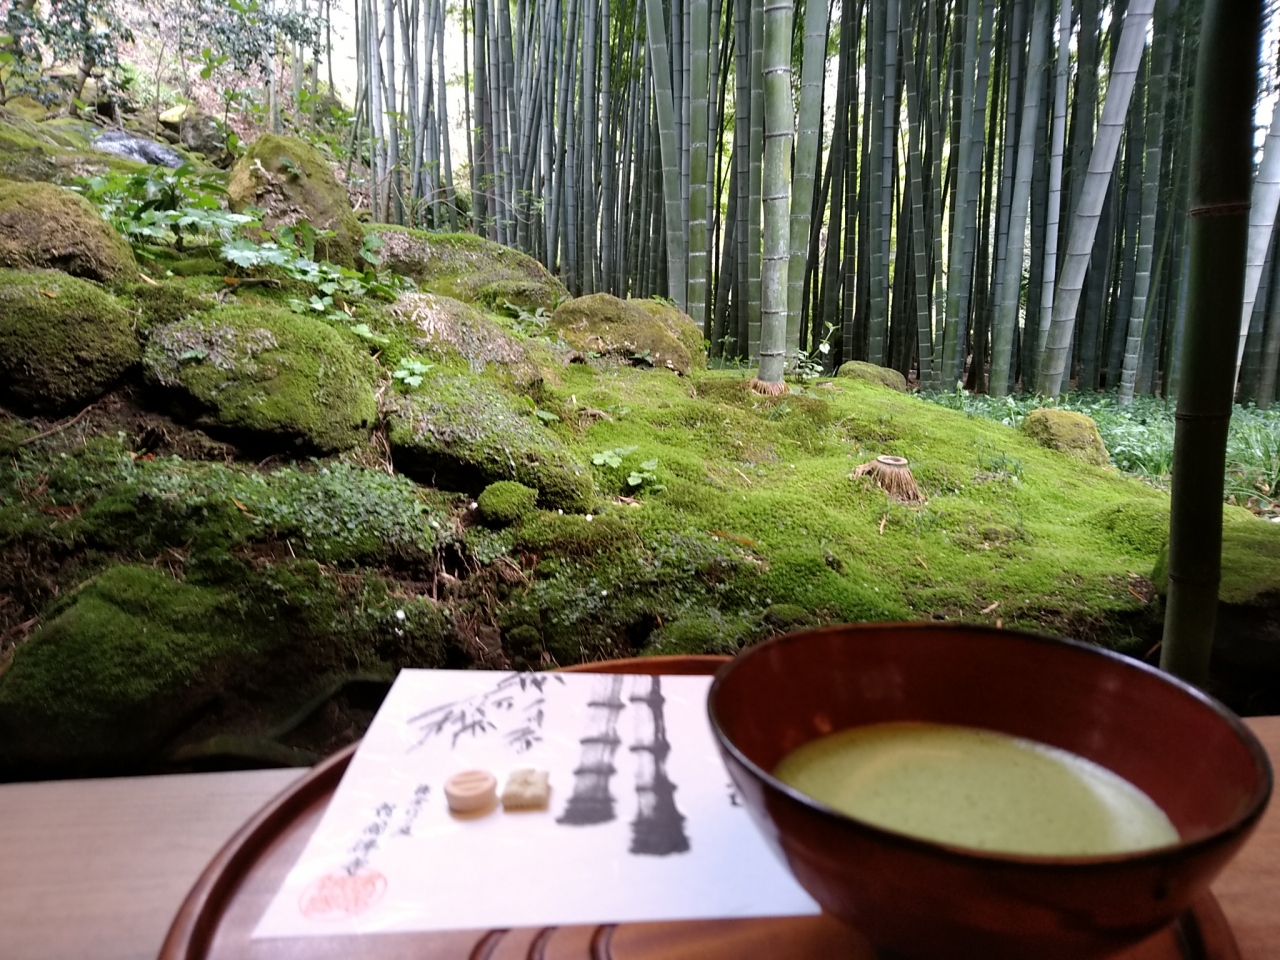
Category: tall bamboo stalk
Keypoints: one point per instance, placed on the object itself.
(1084, 221)
(1226, 83)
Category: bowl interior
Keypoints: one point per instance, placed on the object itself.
(1194, 758)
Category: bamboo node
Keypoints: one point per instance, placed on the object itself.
(893, 476)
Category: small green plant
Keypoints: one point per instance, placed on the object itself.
(996, 464)
(643, 476)
(162, 205)
(525, 323)
(646, 477)
(612, 458)
(411, 372)
(365, 332)
(811, 365)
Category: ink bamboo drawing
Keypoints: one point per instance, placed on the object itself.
(658, 828)
(591, 802)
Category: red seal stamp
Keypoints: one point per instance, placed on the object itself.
(338, 895)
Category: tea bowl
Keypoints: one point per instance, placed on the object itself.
(926, 900)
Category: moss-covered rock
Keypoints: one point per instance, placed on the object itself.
(448, 328)
(104, 682)
(1068, 432)
(291, 182)
(63, 341)
(170, 300)
(632, 331)
(1137, 526)
(681, 326)
(469, 268)
(266, 378)
(870, 372)
(43, 225)
(506, 502)
(460, 431)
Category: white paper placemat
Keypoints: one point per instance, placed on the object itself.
(643, 822)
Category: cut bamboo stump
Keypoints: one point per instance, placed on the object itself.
(893, 476)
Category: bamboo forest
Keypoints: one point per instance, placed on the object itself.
(344, 336)
(955, 191)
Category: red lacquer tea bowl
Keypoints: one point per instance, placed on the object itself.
(929, 900)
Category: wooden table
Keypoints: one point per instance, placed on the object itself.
(96, 869)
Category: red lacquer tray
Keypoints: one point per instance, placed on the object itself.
(220, 912)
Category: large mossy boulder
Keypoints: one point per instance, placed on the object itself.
(292, 183)
(872, 373)
(104, 682)
(1068, 432)
(63, 341)
(633, 331)
(44, 225)
(460, 431)
(447, 328)
(469, 268)
(266, 378)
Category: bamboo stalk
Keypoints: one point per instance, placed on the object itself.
(1226, 83)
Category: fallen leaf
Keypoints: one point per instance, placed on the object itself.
(50, 294)
(145, 279)
(920, 561)
(990, 609)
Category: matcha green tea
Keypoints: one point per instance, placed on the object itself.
(977, 788)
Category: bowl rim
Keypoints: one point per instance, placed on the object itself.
(1243, 823)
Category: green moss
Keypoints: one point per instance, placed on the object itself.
(1136, 526)
(469, 268)
(266, 377)
(130, 656)
(870, 372)
(506, 502)
(43, 225)
(289, 179)
(574, 535)
(198, 267)
(1068, 432)
(63, 341)
(1250, 560)
(680, 325)
(633, 331)
(786, 617)
(701, 632)
(449, 329)
(459, 431)
(170, 300)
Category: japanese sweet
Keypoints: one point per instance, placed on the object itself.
(884, 720)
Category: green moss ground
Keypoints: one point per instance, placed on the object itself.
(759, 490)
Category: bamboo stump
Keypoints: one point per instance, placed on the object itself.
(893, 476)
